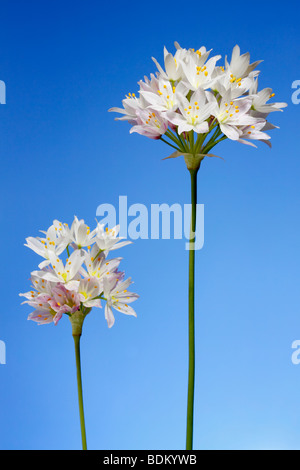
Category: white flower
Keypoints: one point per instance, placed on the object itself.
(165, 98)
(98, 266)
(259, 101)
(62, 231)
(225, 81)
(150, 123)
(81, 234)
(199, 76)
(232, 113)
(194, 113)
(52, 242)
(39, 286)
(118, 297)
(108, 239)
(89, 290)
(239, 65)
(173, 70)
(253, 132)
(132, 105)
(65, 273)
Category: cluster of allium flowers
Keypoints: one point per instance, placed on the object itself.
(76, 275)
(193, 95)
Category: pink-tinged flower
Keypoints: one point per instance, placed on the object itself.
(150, 123)
(64, 300)
(39, 286)
(43, 312)
(42, 317)
(118, 297)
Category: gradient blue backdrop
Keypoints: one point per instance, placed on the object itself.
(64, 64)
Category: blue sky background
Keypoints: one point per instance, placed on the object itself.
(64, 64)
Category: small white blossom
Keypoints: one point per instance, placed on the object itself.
(118, 297)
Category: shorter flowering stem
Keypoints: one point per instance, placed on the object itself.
(79, 385)
(77, 321)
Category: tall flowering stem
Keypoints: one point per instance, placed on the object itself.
(191, 374)
(193, 104)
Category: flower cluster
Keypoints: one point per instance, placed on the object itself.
(193, 95)
(76, 275)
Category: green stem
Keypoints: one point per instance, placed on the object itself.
(191, 374)
(79, 385)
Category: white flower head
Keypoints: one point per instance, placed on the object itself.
(169, 109)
